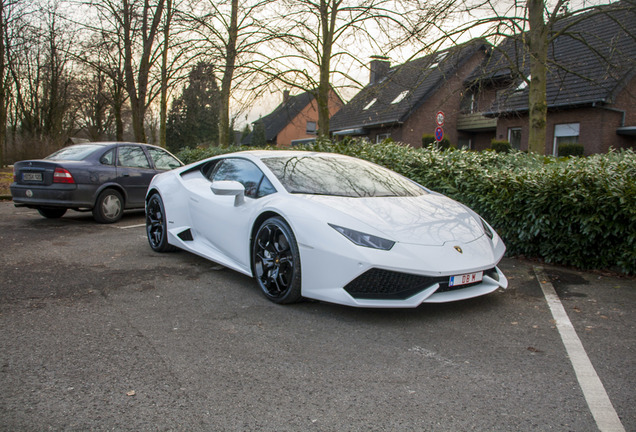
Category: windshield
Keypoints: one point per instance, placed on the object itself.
(75, 153)
(339, 176)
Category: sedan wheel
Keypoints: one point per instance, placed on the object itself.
(109, 207)
(156, 226)
(276, 261)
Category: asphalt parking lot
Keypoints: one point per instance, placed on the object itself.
(100, 333)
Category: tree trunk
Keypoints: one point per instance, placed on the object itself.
(328, 22)
(228, 74)
(138, 91)
(164, 76)
(537, 102)
(3, 111)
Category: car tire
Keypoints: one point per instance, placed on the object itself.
(156, 225)
(276, 261)
(52, 212)
(109, 206)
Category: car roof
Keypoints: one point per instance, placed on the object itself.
(264, 154)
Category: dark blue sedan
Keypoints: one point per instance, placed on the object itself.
(103, 177)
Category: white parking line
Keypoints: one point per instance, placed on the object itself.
(131, 226)
(595, 395)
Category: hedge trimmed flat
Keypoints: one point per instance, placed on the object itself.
(326, 227)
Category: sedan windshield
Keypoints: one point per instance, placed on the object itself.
(74, 153)
(339, 176)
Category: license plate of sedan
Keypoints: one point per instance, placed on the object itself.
(466, 279)
(32, 176)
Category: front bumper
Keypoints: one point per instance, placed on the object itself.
(404, 277)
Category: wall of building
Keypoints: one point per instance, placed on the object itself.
(447, 99)
(597, 129)
(297, 127)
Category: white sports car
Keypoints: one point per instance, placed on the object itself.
(326, 227)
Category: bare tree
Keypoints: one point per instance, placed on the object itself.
(140, 24)
(320, 37)
(230, 34)
(38, 62)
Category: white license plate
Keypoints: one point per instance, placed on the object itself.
(466, 279)
(32, 177)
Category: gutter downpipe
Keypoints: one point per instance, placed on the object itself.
(622, 112)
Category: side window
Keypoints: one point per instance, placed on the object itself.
(108, 158)
(132, 157)
(246, 173)
(162, 159)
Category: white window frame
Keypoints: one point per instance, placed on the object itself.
(510, 130)
(381, 137)
(565, 130)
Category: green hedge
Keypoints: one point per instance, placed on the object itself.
(571, 211)
(500, 146)
(571, 150)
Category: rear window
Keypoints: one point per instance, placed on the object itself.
(74, 153)
(339, 176)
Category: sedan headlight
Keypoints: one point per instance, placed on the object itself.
(363, 239)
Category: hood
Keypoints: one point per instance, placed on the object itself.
(429, 219)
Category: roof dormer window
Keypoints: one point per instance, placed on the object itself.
(400, 97)
(367, 106)
(438, 59)
(523, 84)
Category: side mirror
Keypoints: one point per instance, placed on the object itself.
(231, 188)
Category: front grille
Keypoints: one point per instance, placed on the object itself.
(377, 284)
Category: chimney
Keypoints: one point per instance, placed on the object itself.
(285, 96)
(379, 67)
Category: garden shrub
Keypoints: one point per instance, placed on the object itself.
(571, 149)
(429, 140)
(500, 146)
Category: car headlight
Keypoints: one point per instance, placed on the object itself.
(363, 239)
(487, 229)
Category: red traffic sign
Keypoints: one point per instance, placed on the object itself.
(439, 118)
(439, 134)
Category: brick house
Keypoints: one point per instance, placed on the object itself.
(295, 120)
(401, 102)
(591, 87)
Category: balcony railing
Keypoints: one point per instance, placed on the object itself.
(475, 122)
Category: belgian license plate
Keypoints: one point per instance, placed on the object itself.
(465, 279)
(32, 176)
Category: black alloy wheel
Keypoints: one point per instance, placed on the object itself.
(156, 225)
(276, 261)
(52, 212)
(109, 207)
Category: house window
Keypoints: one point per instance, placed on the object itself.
(465, 143)
(523, 84)
(565, 134)
(399, 97)
(514, 138)
(467, 104)
(367, 106)
(311, 128)
(381, 137)
(439, 58)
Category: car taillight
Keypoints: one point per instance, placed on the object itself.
(62, 176)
